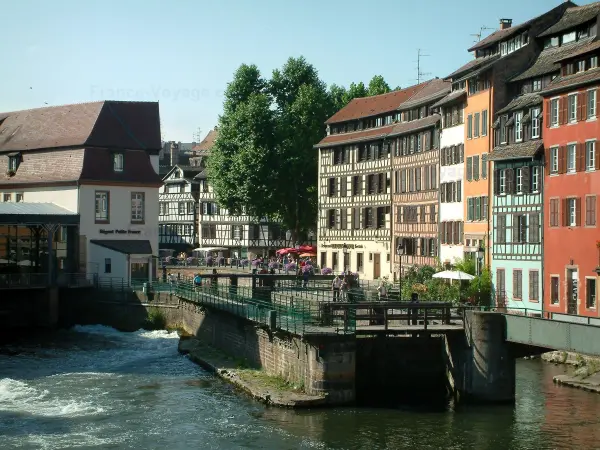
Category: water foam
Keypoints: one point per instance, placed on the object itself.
(18, 396)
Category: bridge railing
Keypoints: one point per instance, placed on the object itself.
(40, 280)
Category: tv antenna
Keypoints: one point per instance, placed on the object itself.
(420, 74)
(197, 136)
(481, 30)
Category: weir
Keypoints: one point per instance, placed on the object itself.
(356, 351)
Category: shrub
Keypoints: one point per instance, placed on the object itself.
(290, 267)
(274, 265)
(326, 271)
(156, 320)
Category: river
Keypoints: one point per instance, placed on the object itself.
(94, 387)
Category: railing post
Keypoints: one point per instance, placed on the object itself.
(425, 314)
(385, 319)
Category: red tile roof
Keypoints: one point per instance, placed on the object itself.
(356, 136)
(208, 142)
(582, 51)
(375, 105)
(111, 124)
(562, 83)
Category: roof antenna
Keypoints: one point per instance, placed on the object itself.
(420, 74)
(481, 30)
(197, 136)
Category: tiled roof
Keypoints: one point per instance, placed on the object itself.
(572, 17)
(375, 105)
(472, 65)
(207, 143)
(546, 62)
(521, 102)
(435, 89)
(45, 167)
(451, 97)
(586, 49)
(356, 136)
(189, 172)
(202, 175)
(112, 124)
(126, 246)
(570, 81)
(515, 151)
(415, 125)
(501, 35)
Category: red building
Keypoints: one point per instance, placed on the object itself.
(572, 176)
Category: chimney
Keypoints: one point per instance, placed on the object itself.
(505, 23)
(174, 153)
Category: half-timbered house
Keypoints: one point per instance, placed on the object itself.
(415, 165)
(177, 209)
(354, 229)
(452, 155)
(239, 234)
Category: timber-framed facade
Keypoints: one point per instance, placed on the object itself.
(177, 209)
(415, 166)
(355, 189)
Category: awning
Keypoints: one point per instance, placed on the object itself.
(126, 246)
(36, 214)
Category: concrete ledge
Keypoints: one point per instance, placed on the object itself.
(260, 386)
(589, 384)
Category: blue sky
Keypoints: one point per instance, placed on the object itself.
(183, 52)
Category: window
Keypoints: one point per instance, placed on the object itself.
(323, 259)
(518, 126)
(572, 108)
(554, 112)
(591, 103)
(590, 293)
(554, 290)
(518, 284)
(590, 155)
(554, 205)
(519, 180)
(569, 37)
(535, 122)
(535, 179)
(484, 122)
(102, 206)
(181, 208)
(537, 84)
(360, 262)
(581, 66)
(13, 163)
(107, 265)
(534, 228)
(534, 286)
(469, 168)
(469, 126)
(484, 166)
(571, 212)
(590, 210)
(502, 181)
(593, 62)
(476, 125)
(137, 206)
(334, 260)
(501, 230)
(503, 133)
(476, 167)
(519, 229)
(571, 158)
(118, 162)
(7, 197)
(19, 197)
(554, 160)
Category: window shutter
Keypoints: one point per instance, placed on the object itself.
(563, 110)
(469, 169)
(525, 171)
(578, 211)
(443, 193)
(548, 107)
(565, 212)
(580, 157)
(597, 151)
(510, 181)
(547, 153)
(496, 182)
(455, 233)
(514, 228)
(562, 159)
(581, 106)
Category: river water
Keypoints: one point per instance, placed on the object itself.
(94, 387)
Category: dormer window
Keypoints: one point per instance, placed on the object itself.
(13, 162)
(581, 66)
(569, 37)
(537, 84)
(593, 62)
(118, 162)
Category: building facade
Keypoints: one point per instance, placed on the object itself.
(452, 155)
(415, 166)
(355, 161)
(95, 170)
(572, 181)
(177, 209)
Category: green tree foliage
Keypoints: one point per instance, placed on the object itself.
(377, 86)
(263, 161)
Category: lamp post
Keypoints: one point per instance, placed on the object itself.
(345, 250)
(400, 252)
(480, 254)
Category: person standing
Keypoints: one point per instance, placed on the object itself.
(335, 287)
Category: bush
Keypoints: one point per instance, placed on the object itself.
(290, 267)
(326, 271)
(156, 320)
(274, 265)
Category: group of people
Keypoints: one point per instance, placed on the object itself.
(341, 284)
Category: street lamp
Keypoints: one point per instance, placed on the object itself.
(400, 252)
(345, 250)
(480, 254)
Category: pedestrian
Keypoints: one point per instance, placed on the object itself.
(305, 277)
(382, 291)
(344, 288)
(198, 281)
(335, 287)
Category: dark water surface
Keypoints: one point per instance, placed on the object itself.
(94, 387)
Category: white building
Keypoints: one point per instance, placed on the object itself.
(452, 146)
(93, 159)
(178, 215)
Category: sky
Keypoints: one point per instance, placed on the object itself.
(182, 53)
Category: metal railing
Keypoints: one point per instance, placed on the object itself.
(40, 280)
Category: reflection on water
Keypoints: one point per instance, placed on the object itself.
(96, 387)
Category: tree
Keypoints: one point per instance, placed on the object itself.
(263, 161)
(356, 90)
(338, 96)
(377, 86)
